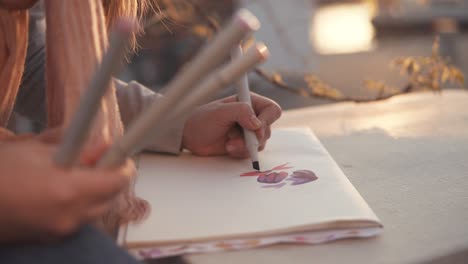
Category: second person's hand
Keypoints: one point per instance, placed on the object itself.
(40, 201)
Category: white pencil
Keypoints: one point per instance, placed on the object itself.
(78, 130)
(243, 94)
(223, 77)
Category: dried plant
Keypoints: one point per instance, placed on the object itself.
(424, 72)
(429, 73)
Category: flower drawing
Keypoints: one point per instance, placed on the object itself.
(275, 176)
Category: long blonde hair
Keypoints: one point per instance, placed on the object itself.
(127, 8)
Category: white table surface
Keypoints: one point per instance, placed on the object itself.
(408, 157)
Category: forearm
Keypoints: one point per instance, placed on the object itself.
(133, 99)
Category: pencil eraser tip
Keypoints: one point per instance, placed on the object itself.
(247, 19)
(263, 50)
(256, 165)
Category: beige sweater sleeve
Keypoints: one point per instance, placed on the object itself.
(133, 99)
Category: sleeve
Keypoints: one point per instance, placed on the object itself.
(133, 99)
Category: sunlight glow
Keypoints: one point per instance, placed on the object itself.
(342, 28)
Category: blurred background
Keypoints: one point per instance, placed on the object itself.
(344, 42)
(341, 42)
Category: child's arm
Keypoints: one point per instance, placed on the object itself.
(211, 129)
(133, 98)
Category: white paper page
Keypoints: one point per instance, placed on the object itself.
(194, 198)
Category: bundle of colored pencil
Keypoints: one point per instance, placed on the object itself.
(76, 41)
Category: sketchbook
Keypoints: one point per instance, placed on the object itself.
(208, 204)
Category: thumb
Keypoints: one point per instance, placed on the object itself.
(240, 113)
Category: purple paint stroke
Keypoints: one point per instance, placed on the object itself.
(272, 177)
(302, 176)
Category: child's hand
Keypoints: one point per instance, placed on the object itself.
(215, 128)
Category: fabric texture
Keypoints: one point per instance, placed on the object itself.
(88, 246)
(31, 98)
